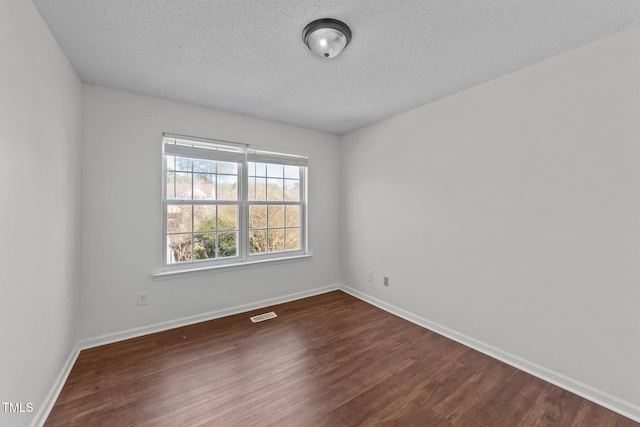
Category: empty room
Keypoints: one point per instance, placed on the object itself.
(302, 213)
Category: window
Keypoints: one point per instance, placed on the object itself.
(226, 204)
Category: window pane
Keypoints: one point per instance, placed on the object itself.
(204, 186)
(202, 165)
(258, 241)
(179, 248)
(227, 217)
(292, 190)
(171, 189)
(204, 217)
(251, 188)
(171, 163)
(227, 244)
(276, 240)
(204, 246)
(275, 189)
(179, 218)
(293, 239)
(257, 189)
(293, 216)
(228, 167)
(261, 169)
(183, 186)
(251, 169)
(258, 216)
(275, 216)
(183, 164)
(227, 187)
(292, 172)
(275, 171)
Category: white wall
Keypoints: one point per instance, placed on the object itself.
(40, 128)
(510, 214)
(122, 213)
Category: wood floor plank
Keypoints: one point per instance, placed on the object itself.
(328, 360)
(513, 399)
(592, 415)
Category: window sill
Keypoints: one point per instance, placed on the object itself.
(172, 274)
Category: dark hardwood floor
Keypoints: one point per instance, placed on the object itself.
(329, 360)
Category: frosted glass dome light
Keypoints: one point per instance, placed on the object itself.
(326, 37)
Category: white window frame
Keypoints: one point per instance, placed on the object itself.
(188, 146)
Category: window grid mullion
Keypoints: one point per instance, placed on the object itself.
(175, 178)
(267, 228)
(217, 232)
(193, 224)
(274, 202)
(243, 214)
(203, 202)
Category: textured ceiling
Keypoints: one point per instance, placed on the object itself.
(248, 56)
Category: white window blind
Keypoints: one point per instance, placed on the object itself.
(276, 158)
(202, 148)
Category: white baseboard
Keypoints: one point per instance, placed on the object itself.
(607, 400)
(54, 392)
(171, 324)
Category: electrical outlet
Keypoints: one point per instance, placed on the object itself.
(142, 298)
(369, 276)
(386, 281)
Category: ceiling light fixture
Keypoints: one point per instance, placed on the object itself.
(326, 37)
